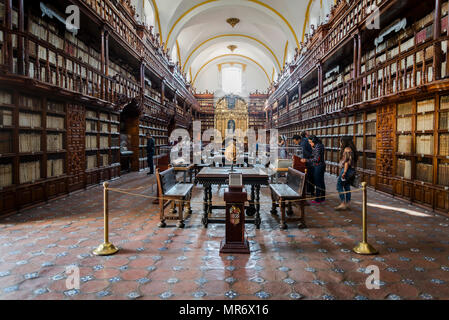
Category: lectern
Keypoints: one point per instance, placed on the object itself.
(235, 199)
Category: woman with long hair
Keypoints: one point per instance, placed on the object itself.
(348, 161)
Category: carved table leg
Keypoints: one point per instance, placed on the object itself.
(173, 210)
(251, 210)
(205, 206)
(290, 209)
(162, 223)
(210, 200)
(283, 225)
(302, 222)
(274, 210)
(181, 215)
(188, 206)
(258, 220)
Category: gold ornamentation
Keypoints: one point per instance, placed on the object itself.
(231, 109)
(233, 21)
(232, 47)
(235, 215)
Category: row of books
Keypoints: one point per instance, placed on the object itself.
(91, 142)
(405, 143)
(426, 106)
(404, 124)
(444, 145)
(55, 142)
(29, 142)
(29, 171)
(425, 122)
(404, 168)
(5, 97)
(104, 142)
(5, 142)
(443, 174)
(104, 159)
(91, 162)
(370, 143)
(91, 114)
(5, 175)
(310, 95)
(359, 143)
(91, 126)
(424, 144)
(55, 167)
(444, 121)
(55, 122)
(444, 103)
(104, 127)
(5, 117)
(32, 103)
(424, 172)
(30, 120)
(370, 163)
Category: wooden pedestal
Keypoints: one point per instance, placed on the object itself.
(235, 241)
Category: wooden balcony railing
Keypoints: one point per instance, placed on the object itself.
(409, 70)
(122, 26)
(340, 30)
(44, 62)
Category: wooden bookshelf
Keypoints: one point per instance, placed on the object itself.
(159, 131)
(102, 145)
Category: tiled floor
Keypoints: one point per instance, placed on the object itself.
(37, 245)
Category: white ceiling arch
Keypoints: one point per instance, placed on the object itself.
(272, 29)
(224, 40)
(182, 16)
(243, 48)
(212, 65)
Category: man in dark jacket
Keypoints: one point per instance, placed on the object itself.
(307, 150)
(150, 153)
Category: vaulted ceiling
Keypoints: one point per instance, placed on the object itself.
(198, 35)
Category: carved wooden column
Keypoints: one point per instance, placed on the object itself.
(436, 36)
(163, 92)
(20, 44)
(142, 82)
(385, 146)
(287, 102)
(103, 68)
(8, 39)
(359, 67)
(355, 69)
(320, 87)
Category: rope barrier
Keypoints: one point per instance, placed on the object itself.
(107, 248)
(204, 202)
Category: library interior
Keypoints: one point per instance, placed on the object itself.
(224, 150)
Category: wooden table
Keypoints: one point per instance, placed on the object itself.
(219, 176)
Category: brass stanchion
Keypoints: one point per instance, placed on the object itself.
(364, 247)
(106, 248)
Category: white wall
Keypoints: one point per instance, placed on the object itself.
(253, 79)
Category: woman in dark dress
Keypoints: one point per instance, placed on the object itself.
(319, 168)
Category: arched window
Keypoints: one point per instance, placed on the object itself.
(232, 80)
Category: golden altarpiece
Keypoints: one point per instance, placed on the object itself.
(231, 113)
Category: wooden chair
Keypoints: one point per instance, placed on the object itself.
(287, 193)
(177, 194)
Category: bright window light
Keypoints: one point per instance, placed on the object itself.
(232, 80)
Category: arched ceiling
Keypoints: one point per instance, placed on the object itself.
(198, 36)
